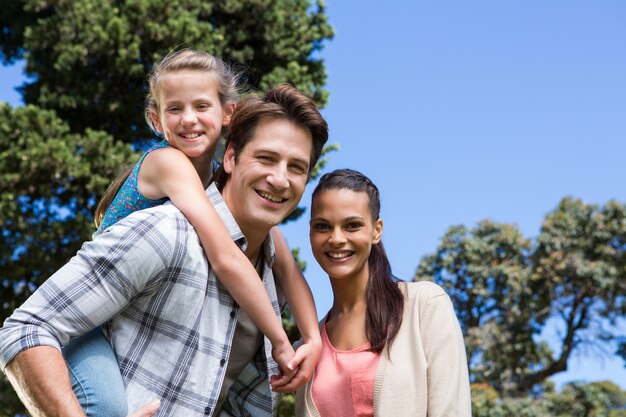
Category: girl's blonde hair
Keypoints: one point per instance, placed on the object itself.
(189, 60)
(227, 81)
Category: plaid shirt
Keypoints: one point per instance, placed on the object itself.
(170, 323)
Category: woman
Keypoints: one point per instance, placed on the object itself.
(389, 348)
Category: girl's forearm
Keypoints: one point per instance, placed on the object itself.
(297, 291)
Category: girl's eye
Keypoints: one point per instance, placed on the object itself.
(172, 109)
(203, 106)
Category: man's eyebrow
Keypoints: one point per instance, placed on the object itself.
(305, 162)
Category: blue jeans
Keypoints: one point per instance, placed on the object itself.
(95, 375)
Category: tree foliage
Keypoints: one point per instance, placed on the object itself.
(576, 399)
(506, 289)
(49, 179)
(88, 59)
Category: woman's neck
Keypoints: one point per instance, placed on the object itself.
(345, 324)
(350, 294)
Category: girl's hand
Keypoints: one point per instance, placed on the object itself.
(285, 356)
(304, 361)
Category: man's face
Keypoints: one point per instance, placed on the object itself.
(268, 178)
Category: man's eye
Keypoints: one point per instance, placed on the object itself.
(299, 169)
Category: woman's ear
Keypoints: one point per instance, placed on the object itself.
(229, 159)
(378, 231)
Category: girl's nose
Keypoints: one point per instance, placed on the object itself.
(189, 117)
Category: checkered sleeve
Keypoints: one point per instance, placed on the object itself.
(105, 275)
(250, 394)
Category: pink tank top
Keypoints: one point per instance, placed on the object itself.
(344, 380)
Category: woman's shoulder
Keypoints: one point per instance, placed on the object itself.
(421, 289)
(422, 294)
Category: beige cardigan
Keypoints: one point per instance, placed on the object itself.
(426, 372)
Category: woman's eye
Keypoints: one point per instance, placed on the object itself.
(320, 226)
(353, 226)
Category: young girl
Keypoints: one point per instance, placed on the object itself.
(192, 95)
(388, 348)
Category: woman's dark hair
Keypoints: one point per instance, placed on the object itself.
(385, 301)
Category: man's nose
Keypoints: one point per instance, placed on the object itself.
(278, 178)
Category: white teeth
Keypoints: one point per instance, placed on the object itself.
(190, 135)
(339, 255)
(271, 197)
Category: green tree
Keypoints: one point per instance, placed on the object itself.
(505, 288)
(49, 178)
(48, 181)
(88, 59)
(581, 400)
(596, 399)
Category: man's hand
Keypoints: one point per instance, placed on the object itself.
(285, 357)
(304, 363)
(147, 410)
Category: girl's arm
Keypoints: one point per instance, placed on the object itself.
(169, 173)
(300, 300)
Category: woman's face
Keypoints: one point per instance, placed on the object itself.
(342, 232)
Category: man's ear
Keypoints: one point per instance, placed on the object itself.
(229, 109)
(156, 121)
(229, 159)
(378, 231)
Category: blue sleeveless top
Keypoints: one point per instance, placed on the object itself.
(128, 198)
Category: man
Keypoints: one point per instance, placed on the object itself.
(177, 333)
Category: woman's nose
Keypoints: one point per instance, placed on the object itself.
(336, 236)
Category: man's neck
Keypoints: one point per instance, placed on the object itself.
(253, 256)
(255, 234)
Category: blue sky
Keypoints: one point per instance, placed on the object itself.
(462, 111)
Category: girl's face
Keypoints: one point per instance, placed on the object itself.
(190, 114)
(342, 233)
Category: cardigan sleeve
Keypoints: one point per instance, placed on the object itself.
(444, 349)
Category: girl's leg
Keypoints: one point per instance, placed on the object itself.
(96, 378)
